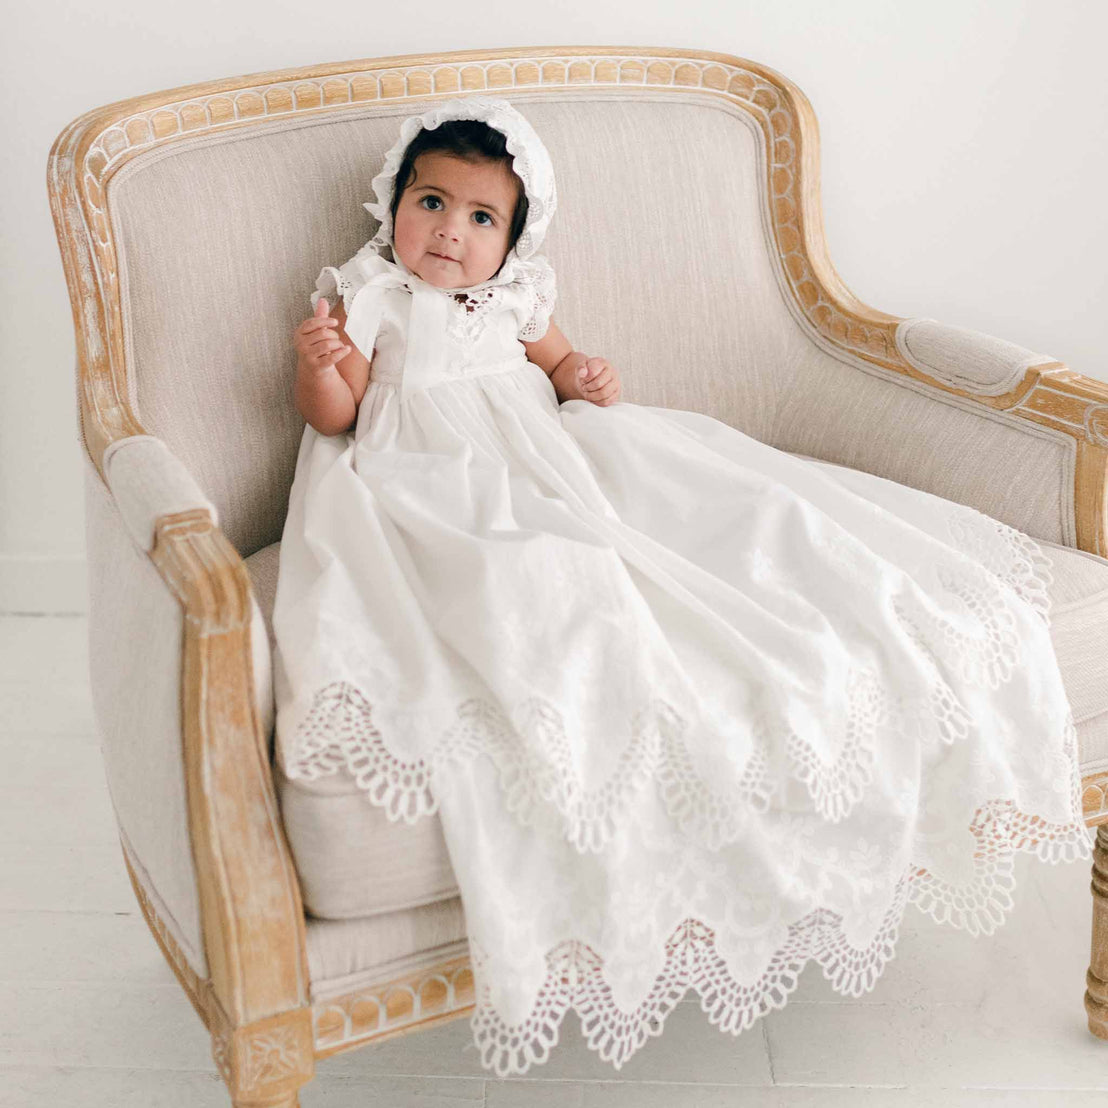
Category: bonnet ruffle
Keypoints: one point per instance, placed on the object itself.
(531, 163)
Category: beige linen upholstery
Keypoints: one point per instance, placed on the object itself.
(964, 358)
(905, 431)
(135, 637)
(135, 631)
(147, 481)
(346, 954)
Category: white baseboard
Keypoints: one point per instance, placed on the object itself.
(41, 585)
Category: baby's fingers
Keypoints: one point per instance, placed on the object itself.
(601, 379)
(324, 361)
(310, 341)
(335, 355)
(316, 327)
(325, 353)
(315, 323)
(607, 393)
(593, 368)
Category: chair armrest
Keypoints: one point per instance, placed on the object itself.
(965, 359)
(1019, 435)
(960, 414)
(148, 481)
(1038, 408)
(251, 915)
(1038, 391)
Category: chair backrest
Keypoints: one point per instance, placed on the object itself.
(669, 193)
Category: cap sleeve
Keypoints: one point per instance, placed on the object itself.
(363, 297)
(345, 280)
(538, 282)
(333, 283)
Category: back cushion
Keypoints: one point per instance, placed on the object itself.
(658, 243)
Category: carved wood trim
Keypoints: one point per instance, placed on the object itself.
(93, 147)
(1094, 799)
(262, 1062)
(265, 1062)
(414, 1001)
(434, 995)
(251, 911)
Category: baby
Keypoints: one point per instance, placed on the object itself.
(455, 219)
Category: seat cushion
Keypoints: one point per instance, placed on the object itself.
(350, 954)
(351, 859)
(354, 863)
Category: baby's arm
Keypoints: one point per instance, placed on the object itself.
(575, 376)
(329, 384)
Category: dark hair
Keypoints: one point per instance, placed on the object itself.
(472, 140)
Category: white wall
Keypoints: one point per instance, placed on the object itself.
(964, 168)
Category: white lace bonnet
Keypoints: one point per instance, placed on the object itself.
(531, 163)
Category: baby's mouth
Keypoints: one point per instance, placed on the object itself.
(445, 257)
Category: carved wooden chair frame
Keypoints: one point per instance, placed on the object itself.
(266, 1031)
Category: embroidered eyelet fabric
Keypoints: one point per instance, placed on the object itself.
(693, 712)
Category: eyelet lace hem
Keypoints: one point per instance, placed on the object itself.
(534, 761)
(533, 754)
(576, 979)
(339, 732)
(1017, 559)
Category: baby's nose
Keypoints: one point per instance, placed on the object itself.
(450, 225)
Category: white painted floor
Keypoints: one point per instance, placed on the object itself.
(92, 1016)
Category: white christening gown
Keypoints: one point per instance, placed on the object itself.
(692, 711)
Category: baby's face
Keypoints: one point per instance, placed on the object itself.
(453, 219)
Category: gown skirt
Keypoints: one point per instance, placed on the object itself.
(692, 711)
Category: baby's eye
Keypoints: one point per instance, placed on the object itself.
(429, 197)
(487, 216)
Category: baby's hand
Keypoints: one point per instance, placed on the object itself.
(317, 343)
(598, 381)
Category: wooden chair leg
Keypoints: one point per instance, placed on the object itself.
(265, 1063)
(1096, 993)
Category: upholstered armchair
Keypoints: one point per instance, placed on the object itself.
(192, 224)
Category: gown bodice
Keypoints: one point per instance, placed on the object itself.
(457, 336)
(418, 335)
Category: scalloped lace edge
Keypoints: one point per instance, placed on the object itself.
(339, 731)
(576, 980)
(341, 734)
